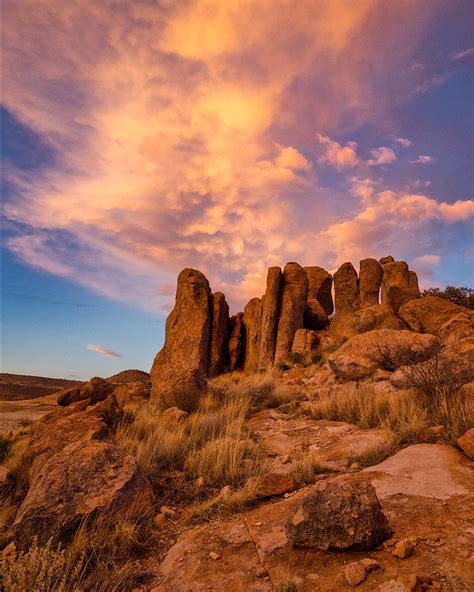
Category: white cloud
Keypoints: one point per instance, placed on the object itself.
(423, 159)
(340, 157)
(460, 55)
(427, 260)
(103, 350)
(382, 155)
(404, 142)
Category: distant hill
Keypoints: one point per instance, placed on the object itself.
(17, 387)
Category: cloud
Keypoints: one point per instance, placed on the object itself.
(382, 155)
(460, 55)
(103, 350)
(423, 159)
(404, 142)
(430, 260)
(340, 157)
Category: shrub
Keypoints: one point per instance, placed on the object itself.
(315, 357)
(184, 396)
(391, 358)
(305, 469)
(287, 586)
(294, 358)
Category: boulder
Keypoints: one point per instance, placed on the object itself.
(315, 316)
(413, 282)
(320, 287)
(174, 414)
(340, 513)
(370, 280)
(66, 491)
(293, 304)
(346, 290)
(131, 391)
(388, 259)
(218, 350)
(97, 389)
(252, 321)
(188, 327)
(305, 341)
(270, 313)
(357, 358)
(457, 328)
(429, 313)
(396, 287)
(466, 443)
(236, 341)
(355, 573)
(378, 316)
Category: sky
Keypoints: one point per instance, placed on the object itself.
(141, 137)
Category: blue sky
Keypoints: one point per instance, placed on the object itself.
(143, 139)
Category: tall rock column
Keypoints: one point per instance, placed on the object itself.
(184, 356)
(293, 304)
(413, 281)
(218, 351)
(252, 321)
(320, 287)
(397, 288)
(270, 313)
(346, 291)
(370, 280)
(236, 341)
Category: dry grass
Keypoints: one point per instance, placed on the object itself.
(376, 452)
(305, 469)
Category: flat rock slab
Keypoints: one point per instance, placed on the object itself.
(189, 567)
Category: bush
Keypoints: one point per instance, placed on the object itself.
(391, 358)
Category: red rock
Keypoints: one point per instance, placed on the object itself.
(270, 313)
(346, 290)
(320, 287)
(252, 321)
(466, 443)
(218, 351)
(370, 280)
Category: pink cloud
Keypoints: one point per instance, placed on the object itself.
(100, 349)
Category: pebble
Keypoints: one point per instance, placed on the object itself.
(214, 556)
(355, 573)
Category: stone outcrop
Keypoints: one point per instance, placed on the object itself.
(236, 341)
(218, 351)
(457, 328)
(370, 280)
(97, 389)
(387, 259)
(270, 315)
(378, 316)
(315, 316)
(346, 290)
(397, 288)
(305, 341)
(66, 491)
(188, 329)
(340, 513)
(320, 287)
(293, 305)
(413, 283)
(357, 358)
(252, 321)
(428, 314)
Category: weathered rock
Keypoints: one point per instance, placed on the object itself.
(457, 328)
(388, 259)
(320, 287)
(346, 290)
(270, 313)
(370, 565)
(340, 513)
(6, 479)
(293, 304)
(370, 280)
(188, 327)
(357, 357)
(218, 350)
(314, 315)
(236, 341)
(429, 313)
(174, 414)
(355, 573)
(305, 341)
(252, 321)
(131, 391)
(97, 389)
(413, 281)
(378, 316)
(396, 288)
(466, 443)
(404, 548)
(66, 491)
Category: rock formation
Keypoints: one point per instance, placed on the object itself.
(305, 340)
(428, 314)
(236, 341)
(397, 288)
(319, 287)
(252, 321)
(293, 304)
(218, 352)
(378, 316)
(370, 280)
(188, 329)
(270, 314)
(346, 289)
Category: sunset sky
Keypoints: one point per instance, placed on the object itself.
(144, 136)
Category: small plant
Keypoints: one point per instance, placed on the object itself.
(294, 358)
(287, 586)
(282, 366)
(392, 357)
(375, 453)
(315, 357)
(305, 470)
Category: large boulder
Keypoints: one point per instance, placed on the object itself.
(370, 280)
(346, 290)
(187, 336)
(270, 313)
(458, 327)
(387, 259)
(85, 479)
(378, 316)
(218, 350)
(97, 389)
(305, 341)
(293, 304)
(397, 287)
(236, 341)
(357, 358)
(320, 287)
(252, 321)
(429, 313)
(340, 513)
